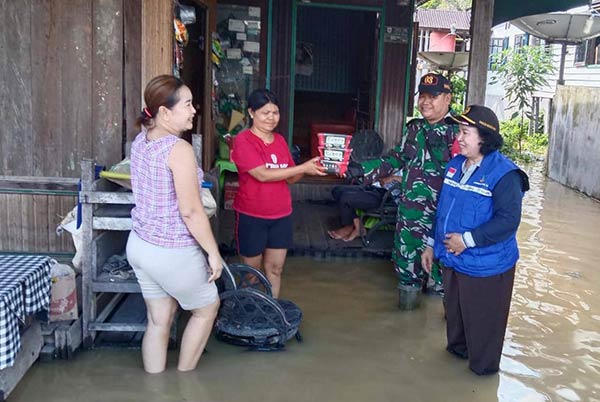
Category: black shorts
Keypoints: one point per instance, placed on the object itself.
(254, 235)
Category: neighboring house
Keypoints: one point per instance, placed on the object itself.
(443, 30)
(568, 110)
(582, 67)
(440, 31)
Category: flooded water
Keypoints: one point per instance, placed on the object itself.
(359, 347)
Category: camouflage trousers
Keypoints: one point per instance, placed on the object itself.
(414, 221)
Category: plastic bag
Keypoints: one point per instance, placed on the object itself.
(187, 14)
(210, 205)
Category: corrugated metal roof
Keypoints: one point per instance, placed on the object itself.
(443, 19)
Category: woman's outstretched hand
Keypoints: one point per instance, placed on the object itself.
(312, 167)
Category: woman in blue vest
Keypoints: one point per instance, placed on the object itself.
(474, 238)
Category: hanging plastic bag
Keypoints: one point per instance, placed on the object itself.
(210, 205)
(187, 14)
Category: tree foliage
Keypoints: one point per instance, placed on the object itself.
(448, 4)
(522, 71)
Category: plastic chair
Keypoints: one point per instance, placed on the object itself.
(224, 166)
(249, 315)
(386, 215)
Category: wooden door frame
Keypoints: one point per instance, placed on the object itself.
(379, 58)
(157, 58)
(208, 124)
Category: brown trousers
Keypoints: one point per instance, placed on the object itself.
(476, 317)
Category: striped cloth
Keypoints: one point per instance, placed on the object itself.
(24, 290)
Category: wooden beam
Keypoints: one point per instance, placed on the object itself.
(481, 32)
(157, 39)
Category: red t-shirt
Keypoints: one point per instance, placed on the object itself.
(267, 200)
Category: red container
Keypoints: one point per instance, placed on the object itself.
(331, 167)
(321, 127)
(329, 140)
(334, 154)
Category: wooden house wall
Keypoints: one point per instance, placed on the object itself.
(280, 58)
(28, 223)
(61, 63)
(395, 84)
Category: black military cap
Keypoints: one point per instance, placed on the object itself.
(434, 84)
(479, 116)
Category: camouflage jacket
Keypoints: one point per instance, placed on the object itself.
(422, 155)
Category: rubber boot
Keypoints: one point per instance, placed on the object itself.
(409, 297)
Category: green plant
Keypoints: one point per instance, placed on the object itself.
(518, 146)
(448, 4)
(522, 71)
(459, 89)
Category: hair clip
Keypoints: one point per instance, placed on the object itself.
(147, 113)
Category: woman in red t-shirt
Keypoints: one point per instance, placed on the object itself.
(263, 203)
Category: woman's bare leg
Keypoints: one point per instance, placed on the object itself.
(160, 313)
(274, 259)
(196, 335)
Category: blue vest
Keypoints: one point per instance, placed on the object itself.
(464, 207)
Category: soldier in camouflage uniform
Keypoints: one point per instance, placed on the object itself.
(422, 155)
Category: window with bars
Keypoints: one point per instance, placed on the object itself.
(497, 45)
(424, 40)
(588, 53)
(520, 40)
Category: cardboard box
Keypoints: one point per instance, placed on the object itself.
(230, 190)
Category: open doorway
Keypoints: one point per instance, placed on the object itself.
(336, 69)
(191, 47)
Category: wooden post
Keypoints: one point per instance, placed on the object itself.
(157, 39)
(561, 69)
(88, 299)
(481, 32)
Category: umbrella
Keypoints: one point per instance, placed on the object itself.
(447, 60)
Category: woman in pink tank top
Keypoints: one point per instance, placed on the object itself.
(171, 232)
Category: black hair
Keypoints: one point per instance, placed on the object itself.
(490, 141)
(260, 97)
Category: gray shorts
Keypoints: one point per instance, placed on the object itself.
(177, 272)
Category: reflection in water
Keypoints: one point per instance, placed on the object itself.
(551, 328)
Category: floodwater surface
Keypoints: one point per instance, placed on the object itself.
(359, 347)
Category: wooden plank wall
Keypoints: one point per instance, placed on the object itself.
(394, 86)
(280, 59)
(157, 46)
(61, 63)
(132, 34)
(28, 223)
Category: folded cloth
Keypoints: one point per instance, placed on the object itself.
(118, 266)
